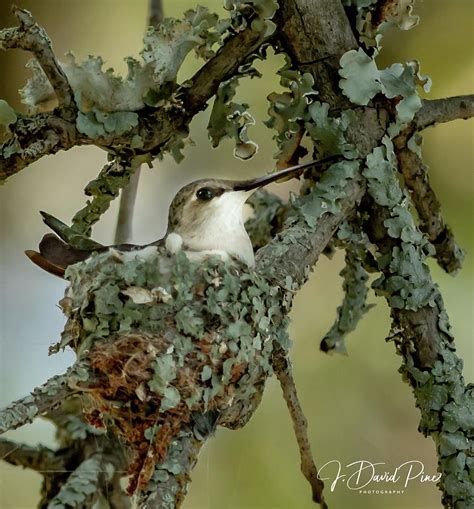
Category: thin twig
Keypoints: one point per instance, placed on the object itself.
(43, 398)
(37, 458)
(123, 231)
(282, 368)
(32, 37)
(439, 111)
(155, 13)
(449, 254)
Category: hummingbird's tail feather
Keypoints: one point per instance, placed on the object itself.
(59, 252)
(55, 255)
(42, 262)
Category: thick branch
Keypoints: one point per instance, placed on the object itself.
(438, 111)
(423, 337)
(31, 37)
(37, 458)
(43, 398)
(304, 252)
(282, 367)
(316, 35)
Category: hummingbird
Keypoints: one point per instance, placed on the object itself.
(205, 218)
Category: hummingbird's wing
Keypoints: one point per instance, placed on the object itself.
(55, 255)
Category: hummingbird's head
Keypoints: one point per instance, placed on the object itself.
(208, 214)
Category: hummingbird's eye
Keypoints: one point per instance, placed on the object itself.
(205, 194)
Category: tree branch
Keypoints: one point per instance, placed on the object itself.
(37, 458)
(430, 365)
(438, 111)
(298, 248)
(47, 133)
(422, 336)
(282, 367)
(31, 37)
(316, 35)
(123, 231)
(155, 12)
(449, 254)
(82, 487)
(169, 484)
(43, 398)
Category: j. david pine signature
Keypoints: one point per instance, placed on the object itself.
(359, 474)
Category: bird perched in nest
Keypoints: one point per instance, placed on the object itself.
(205, 218)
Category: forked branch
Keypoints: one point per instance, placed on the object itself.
(282, 367)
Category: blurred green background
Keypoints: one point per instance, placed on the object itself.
(357, 406)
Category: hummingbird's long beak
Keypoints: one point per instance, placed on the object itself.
(287, 173)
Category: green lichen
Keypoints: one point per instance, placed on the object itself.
(295, 113)
(96, 123)
(105, 188)
(98, 92)
(360, 76)
(325, 196)
(7, 114)
(447, 414)
(328, 132)
(167, 45)
(268, 218)
(353, 306)
(362, 81)
(374, 18)
(289, 110)
(80, 485)
(254, 13)
(407, 283)
(229, 119)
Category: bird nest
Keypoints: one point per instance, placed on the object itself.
(165, 340)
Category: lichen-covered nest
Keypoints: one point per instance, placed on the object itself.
(166, 339)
